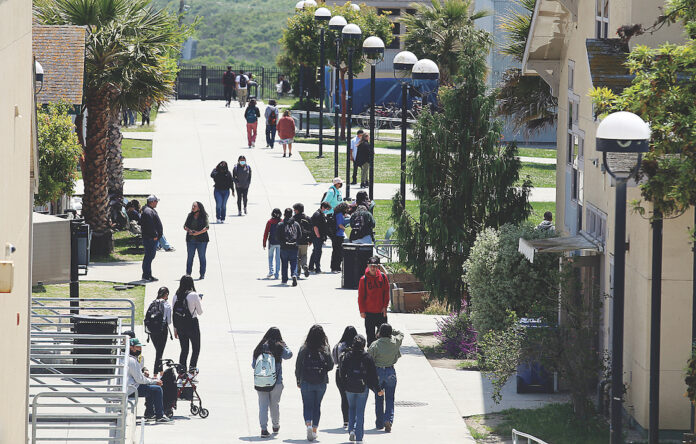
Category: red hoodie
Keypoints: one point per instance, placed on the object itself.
(373, 292)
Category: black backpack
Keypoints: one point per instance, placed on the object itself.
(353, 373)
(307, 231)
(290, 233)
(181, 315)
(242, 81)
(358, 225)
(313, 367)
(155, 321)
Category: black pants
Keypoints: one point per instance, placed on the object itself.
(242, 196)
(159, 340)
(355, 173)
(372, 323)
(336, 253)
(194, 336)
(315, 259)
(344, 399)
(229, 90)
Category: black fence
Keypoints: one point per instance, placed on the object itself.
(205, 82)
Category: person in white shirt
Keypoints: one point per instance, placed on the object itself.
(242, 82)
(354, 154)
(147, 387)
(185, 315)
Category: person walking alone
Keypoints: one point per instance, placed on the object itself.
(319, 226)
(286, 132)
(363, 159)
(373, 298)
(307, 234)
(252, 114)
(242, 83)
(358, 376)
(271, 350)
(339, 236)
(186, 308)
(354, 153)
(337, 353)
(312, 366)
(157, 320)
(271, 115)
(241, 176)
(151, 227)
(222, 177)
(228, 84)
(385, 351)
(270, 234)
(196, 227)
(289, 233)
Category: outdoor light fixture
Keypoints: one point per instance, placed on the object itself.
(300, 5)
(309, 3)
(373, 48)
(425, 69)
(622, 138)
(336, 24)
(39, 76)
(321, 15)
(351, 34)
(355, 7)
(403, 66)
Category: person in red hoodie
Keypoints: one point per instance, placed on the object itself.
(269, 234)
(373, 298)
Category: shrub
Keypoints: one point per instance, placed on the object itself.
(457, 336)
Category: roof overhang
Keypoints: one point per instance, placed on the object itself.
(607, 58)
(529, 248)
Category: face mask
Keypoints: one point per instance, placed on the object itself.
(136, 352)
(242, 162)
(325, 211)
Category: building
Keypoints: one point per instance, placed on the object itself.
(61, 52)
(571, 47)
(18, 176)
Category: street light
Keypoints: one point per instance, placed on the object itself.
(351, 33)
(321, 15)
(39, 76)
(425, 71)
(403, 65)
(299, 6)
(355, 7)
(309, 3)
(336, 24)
(622, 137)
(373, 47)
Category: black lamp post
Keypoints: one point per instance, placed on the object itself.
(622, 137)
(403, 64)
(351, 33)
(321, 15)
(336, 24)
(373, 47)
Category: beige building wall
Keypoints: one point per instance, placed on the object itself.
(598, 192)
(16, 109)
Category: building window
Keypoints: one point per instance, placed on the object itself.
(396, 28)
(395, 44)
(602, 19)
(388, 11)
(596, 226)
(571, 74)
(410, 11)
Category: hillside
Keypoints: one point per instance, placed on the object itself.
(236, 31)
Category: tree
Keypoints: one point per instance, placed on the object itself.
(435, 32)
(526, 100)
(463, 177)
(128, 42)
(59, 153)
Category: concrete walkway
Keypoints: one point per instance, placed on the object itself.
(239, 304)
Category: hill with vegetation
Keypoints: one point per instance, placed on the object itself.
(235, 31)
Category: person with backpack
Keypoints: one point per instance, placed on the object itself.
(333, 195)
(242, 81)
(337, 353)
(228, 83)
(312, 369)
(267, 363)
(362, 226)
(286, 131)
(271, 115)
(196, 227)
(338, 237)
(289, 234)
(186, 309)
(270, 234)
(385, 351)
(358, 375)
(157, 320)
(373, 298)
(363, 159)
(252, 114)
(305, 240)
(319, 228)
(222, 178)
(241, 176)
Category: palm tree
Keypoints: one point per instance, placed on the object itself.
(526, 100)
(128, 43)
(435, 32)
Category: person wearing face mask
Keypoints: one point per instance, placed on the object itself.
(319, 225)
(333, 196)
(149, 388)
(241, 175)
(223, 184)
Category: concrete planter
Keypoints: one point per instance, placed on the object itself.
(415, 301)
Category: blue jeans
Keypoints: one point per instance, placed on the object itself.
(150, 247)
(315, 259)
(312, 394)
(274, 251)
(153, 399)
(191, 248)
(270, 135)
(163, 243)
(356, 413)
(221, 197)
(387, 380)
(288, 256)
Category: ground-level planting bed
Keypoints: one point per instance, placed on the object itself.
(136, 148)
(126, 248)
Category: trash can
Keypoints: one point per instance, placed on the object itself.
(355, 258)
(94, 325)
(532, 377)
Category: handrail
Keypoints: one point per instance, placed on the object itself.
(516, 434)
(121, 308)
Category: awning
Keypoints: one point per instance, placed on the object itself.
(556, 245)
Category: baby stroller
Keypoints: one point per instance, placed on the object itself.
(177, 383)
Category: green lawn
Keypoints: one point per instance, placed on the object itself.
(96, 289)
(537, 152)
(129, 174)
(140, 128)
(541, 175)
(538, 210)
(132, 148)
(125, 249)
(342, 143)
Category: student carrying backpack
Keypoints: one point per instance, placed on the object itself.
(362, 225)
(157, 320)
(289, 234)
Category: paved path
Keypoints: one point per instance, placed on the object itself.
(239, 305)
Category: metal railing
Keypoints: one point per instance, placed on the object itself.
(56, 314)
(359, 120)
(516, 435)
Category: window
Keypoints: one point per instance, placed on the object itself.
(571, 74)
(395, 44)
(596, 224)
(602, 19)
(410, 11)
(396, 29)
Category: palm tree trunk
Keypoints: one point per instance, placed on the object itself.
(115, 155)
(95, 200)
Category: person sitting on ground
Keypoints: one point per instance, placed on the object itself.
(362, 226)
(373, 298)
(286, 132)
(385, 352)
(147, 387)
(547, 223)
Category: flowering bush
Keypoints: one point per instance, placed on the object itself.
(457, 336)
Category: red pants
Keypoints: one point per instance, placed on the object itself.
(251, 132)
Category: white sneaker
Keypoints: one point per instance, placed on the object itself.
(270, 275)
(351, 437)
(253, 145)
(310, 434)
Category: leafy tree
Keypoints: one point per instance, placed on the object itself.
(463, 177)
(526, 100)
(59, 153)
(435, 32)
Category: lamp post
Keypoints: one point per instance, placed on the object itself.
(403, 65)
(425, 71)
(321, 15)
(373, 47)
(309, 3)
(622, 137)
(355, 7)
(38, 76)
(299, 6)
(351, 33)
(336, 24)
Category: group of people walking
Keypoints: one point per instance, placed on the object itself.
(236, 86)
